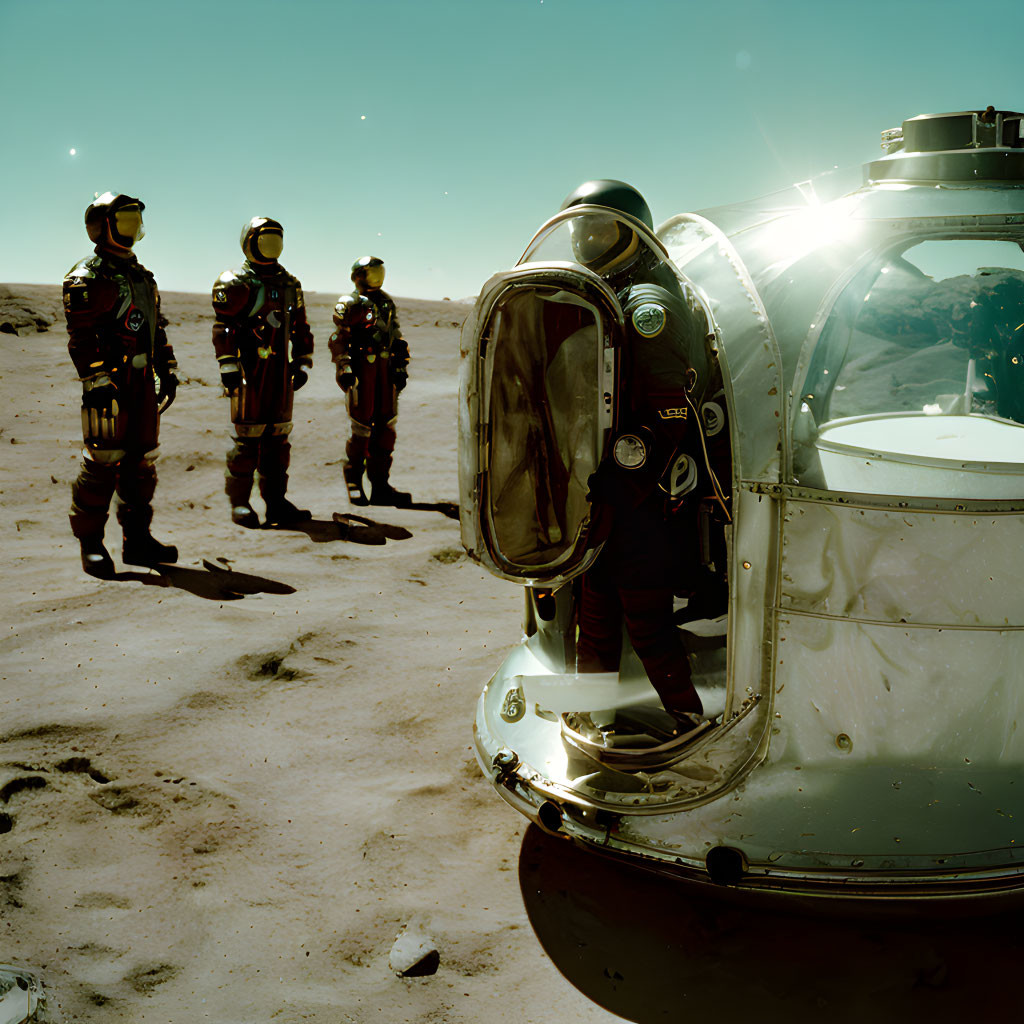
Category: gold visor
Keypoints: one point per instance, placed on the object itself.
(270, 244)
(374, 276)
(128, 222)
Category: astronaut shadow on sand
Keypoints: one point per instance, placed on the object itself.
(360, 529)
(214, 582)
(345, 526)
(446, 508)
(650, 948)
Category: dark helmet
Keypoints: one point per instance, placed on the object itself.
(368, 273)
(605, 244)
(615, 194)
(115, 218)
(262, 240)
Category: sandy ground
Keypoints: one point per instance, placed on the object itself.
(223, 793)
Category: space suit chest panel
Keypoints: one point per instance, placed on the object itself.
(666, 351)
(119, 298)
(383, 309)
(383, 306)
(270, 300)
(139, 319)
(268, 316)
(373, 336)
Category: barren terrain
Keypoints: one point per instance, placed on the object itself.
(227, 787)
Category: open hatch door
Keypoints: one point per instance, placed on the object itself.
(537, 409)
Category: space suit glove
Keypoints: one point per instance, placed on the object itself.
(401, 378)
(299, 376)
(601, 485)
(346, 379)
(168, 389)
(98, 392)
(231, 379)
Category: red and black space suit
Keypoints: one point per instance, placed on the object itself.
(265, 349)
(117, 341)
(644, 494)
(371, 366)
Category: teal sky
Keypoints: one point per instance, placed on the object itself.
(438, 134)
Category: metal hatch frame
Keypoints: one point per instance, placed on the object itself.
(477, 531)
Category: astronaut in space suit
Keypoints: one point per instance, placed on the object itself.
(372, 367)
(644, 493)
(118, 343)
(264, 349)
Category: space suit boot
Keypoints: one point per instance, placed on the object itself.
(382, 493)
(281, 512)
(96, 560)
(245, 515)
(141, 548)
(353, 473)
(238, 488)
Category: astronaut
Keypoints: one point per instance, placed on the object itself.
(265, 350)
(118, 343)
(995, 338)
(371, 360)
(644, 493)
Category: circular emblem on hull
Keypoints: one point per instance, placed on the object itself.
(649, 319)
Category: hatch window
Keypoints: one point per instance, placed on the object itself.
(547, 415)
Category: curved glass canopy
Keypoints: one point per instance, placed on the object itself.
(898, 316)
(915, 384)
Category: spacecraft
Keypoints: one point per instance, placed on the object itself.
(864, 682)
(23, 998)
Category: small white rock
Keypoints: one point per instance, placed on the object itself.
(413, 953)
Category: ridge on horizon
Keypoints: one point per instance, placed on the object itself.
(465, 301)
